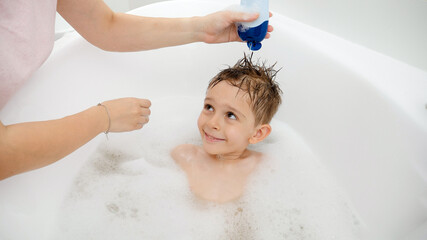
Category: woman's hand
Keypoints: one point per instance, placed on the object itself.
(127, 114)
(220, 26)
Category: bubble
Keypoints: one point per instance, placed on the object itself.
(130, 188)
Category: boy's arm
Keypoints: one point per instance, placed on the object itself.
(111, 31)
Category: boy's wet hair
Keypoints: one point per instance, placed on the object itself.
(258, 81)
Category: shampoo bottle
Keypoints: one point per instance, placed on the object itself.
(254, 32)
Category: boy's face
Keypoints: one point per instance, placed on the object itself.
(226, 122)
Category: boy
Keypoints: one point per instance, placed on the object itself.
(240, 102)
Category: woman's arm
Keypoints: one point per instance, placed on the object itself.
(110, 31)
(31, 145)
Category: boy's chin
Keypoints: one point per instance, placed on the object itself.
(213, 150)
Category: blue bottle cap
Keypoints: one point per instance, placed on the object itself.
(254, 46)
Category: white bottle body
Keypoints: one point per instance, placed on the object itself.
(254, 32)
(259, 6)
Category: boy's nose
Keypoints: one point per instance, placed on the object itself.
(214, 122)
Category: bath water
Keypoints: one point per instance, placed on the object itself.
(130, 188)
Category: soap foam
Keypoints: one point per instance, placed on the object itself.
(131, 188)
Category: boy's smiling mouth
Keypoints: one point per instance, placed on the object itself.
(211, 138)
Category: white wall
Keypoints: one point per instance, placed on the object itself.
(396, 28)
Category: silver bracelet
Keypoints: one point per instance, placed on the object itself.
(109, 120)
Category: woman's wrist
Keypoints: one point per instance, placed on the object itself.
(199, 28)
(101, 119)
(109, 118)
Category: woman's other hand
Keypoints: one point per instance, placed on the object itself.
(127, 114)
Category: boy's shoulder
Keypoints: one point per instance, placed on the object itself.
(184, 153)
(184, 149)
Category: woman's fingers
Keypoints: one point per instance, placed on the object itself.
(145, 103)
(145, 112)
(127, 114)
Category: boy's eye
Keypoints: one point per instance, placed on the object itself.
(208, 107)
(231, 115)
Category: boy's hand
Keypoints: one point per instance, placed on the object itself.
(127, 114)
(220, 26)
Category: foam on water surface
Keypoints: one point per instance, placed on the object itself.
(131, 188)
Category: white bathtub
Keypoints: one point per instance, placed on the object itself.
(363, 114)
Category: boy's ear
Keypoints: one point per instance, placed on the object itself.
(260, 134)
